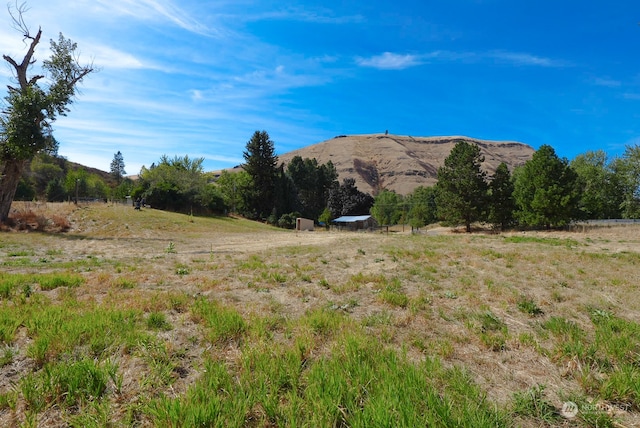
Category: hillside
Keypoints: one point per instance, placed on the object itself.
(402, 163)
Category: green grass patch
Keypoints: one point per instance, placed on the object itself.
(56, 280)
(158, 321)
(393, 295)
(555, 242)
(532, 404)
(70, 384)
(223, 324)
(493, 331)
(529, 306)
(358, 384)
(12, 283)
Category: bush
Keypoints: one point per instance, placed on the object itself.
(288, 221)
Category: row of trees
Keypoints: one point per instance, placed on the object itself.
(49, 177)
(263, 189)
(266, 190)
(547, 191)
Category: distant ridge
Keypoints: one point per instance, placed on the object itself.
(402, 163)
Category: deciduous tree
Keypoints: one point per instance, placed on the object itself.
(178, 184)
(387, 208)
(422, 207)
(627, 172)
(602, 192)
(31, 106)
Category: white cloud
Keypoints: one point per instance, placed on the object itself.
(317, 15)
(394, 61)
(390, 61)
(525, 59)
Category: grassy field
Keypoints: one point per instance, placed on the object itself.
(157, 319)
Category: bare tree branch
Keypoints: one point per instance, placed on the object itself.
(18, 18)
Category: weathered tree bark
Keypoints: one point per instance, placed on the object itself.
(11, 169)
(9, 178)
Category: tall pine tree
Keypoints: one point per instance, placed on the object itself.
(260, 163)
(462, 186)
(501, 203)
(117, 167)
(546, 190)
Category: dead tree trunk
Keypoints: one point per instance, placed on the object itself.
(9, 178)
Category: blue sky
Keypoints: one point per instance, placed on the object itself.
(198, 78)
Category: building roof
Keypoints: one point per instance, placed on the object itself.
(351, 218)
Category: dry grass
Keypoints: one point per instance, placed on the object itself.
(481, 302)
(36, 216)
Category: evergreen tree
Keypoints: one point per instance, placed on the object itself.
(312, 183)
(328, 181)
(260, 164)
(501, 202)
(285, 200)
(117, 167)
(346, 199)
(304, 174)
(546, 190)
(462, 187)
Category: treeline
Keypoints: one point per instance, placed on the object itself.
(48, 177)
(263, 189)
(546, 192)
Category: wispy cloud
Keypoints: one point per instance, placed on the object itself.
(158, 9)
(396, 61)
(107, 56)
(525, 59)
(315, 15)
(389, 61)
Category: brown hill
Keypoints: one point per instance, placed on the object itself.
(402, 163)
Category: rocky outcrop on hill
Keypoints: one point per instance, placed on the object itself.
(402, 163)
